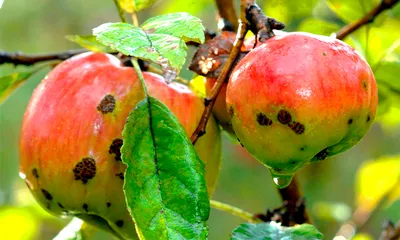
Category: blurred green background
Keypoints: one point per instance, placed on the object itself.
(333, 188)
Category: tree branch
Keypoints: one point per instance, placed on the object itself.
(368, 18)
(227, 11)
(362, 216)
(31, 59)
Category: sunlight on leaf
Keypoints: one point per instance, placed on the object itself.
(362, 236)
(390, 120)
(17, 223)
(72, 231)
(375, 179)
(331, 211)
(317, 26)
(89, 42)
(352, 10)
(10, 83)
(131, 6)
(273, 231)
(1, 3)
(164, 186)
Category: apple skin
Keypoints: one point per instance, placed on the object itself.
(72, 133)
(299, 98)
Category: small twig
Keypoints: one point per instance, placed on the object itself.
(368, 18)
(390, 231)
(31, 59)
(362, 216)
(291, 194)
(120, 11)
(210, 101)
(233, 210)
(227, 11)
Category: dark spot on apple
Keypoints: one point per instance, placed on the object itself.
(324, 53)
(48, 206)
(60, 205)
(364, 84)
(297, 127)
(293, 162)
(322, 155)
(85, 207)
(231, 111)
(107, 104)
(115, 148)
(35, 173)
(120, 175)
(119, 223)
(350, 121)
(302, 148)
(263, 120)
(368, 118)
(108, 204)
(28, 185)
(284, 117)
(240, 142)
(47, 195)
(85, 170)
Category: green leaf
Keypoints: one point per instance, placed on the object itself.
(352, 10)
(11, 82)
(273, 231)
(89, 42)
(155, 44)
(317, 26)
(73, 231)
(181, 25)
(374, 180)
(131, 6)
(388, 73)
(164, 185)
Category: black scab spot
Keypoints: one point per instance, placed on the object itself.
(324, 53)
(284, 117)
(47, 195)
(302, 148)
(293, 162)
(231, 111)
(107, 104)
(350, 121)
(364, 85)
(115, 148)
(120, 175)
(297, 127)
(60, 205)
(322, 155)
(35, 173)
(85, 206)
(368, 118)
(85, 170)
(108, 204)
(263, 120)
(119, 223)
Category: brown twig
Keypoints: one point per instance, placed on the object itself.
(227, 11)
(368, 18)
(390, 231)
(362, 216)
(210, 101)
(31, 59)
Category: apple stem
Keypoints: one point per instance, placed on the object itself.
(234, 211)
(368, 18)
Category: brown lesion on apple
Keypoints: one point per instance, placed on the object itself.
(108, 204)
(107, 104)
(46, 194)
(115, 148)
(85, 207)
(231, 111)
(368, 118)
(119, 223)
(284, 117)
(297, 127)
(350, 121)
(85, 170)
(322, 155)
(324, 53)
(364, 84)
(60, 205)
(263, 120)
(120, 175)
(35, 173)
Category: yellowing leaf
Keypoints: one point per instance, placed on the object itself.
(375, 179)
(197, 84)
(17, 224)
(131, 6)
(362, 236)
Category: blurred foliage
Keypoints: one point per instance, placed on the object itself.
(331, 187)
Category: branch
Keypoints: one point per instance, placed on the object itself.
(227, 11)
(361, 216)
(390, 231)
(368, 18)
(31, 59)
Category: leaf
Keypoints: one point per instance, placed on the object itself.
(388, 73)
(352, 10)
(273, 231)
(89, 42)
(155, 45)
(131, 6)
(375, 179)
(317, 26)
(164, 185)
(181, 25)
(11, 82)
(73, 231)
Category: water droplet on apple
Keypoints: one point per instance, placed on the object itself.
(282, 181)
